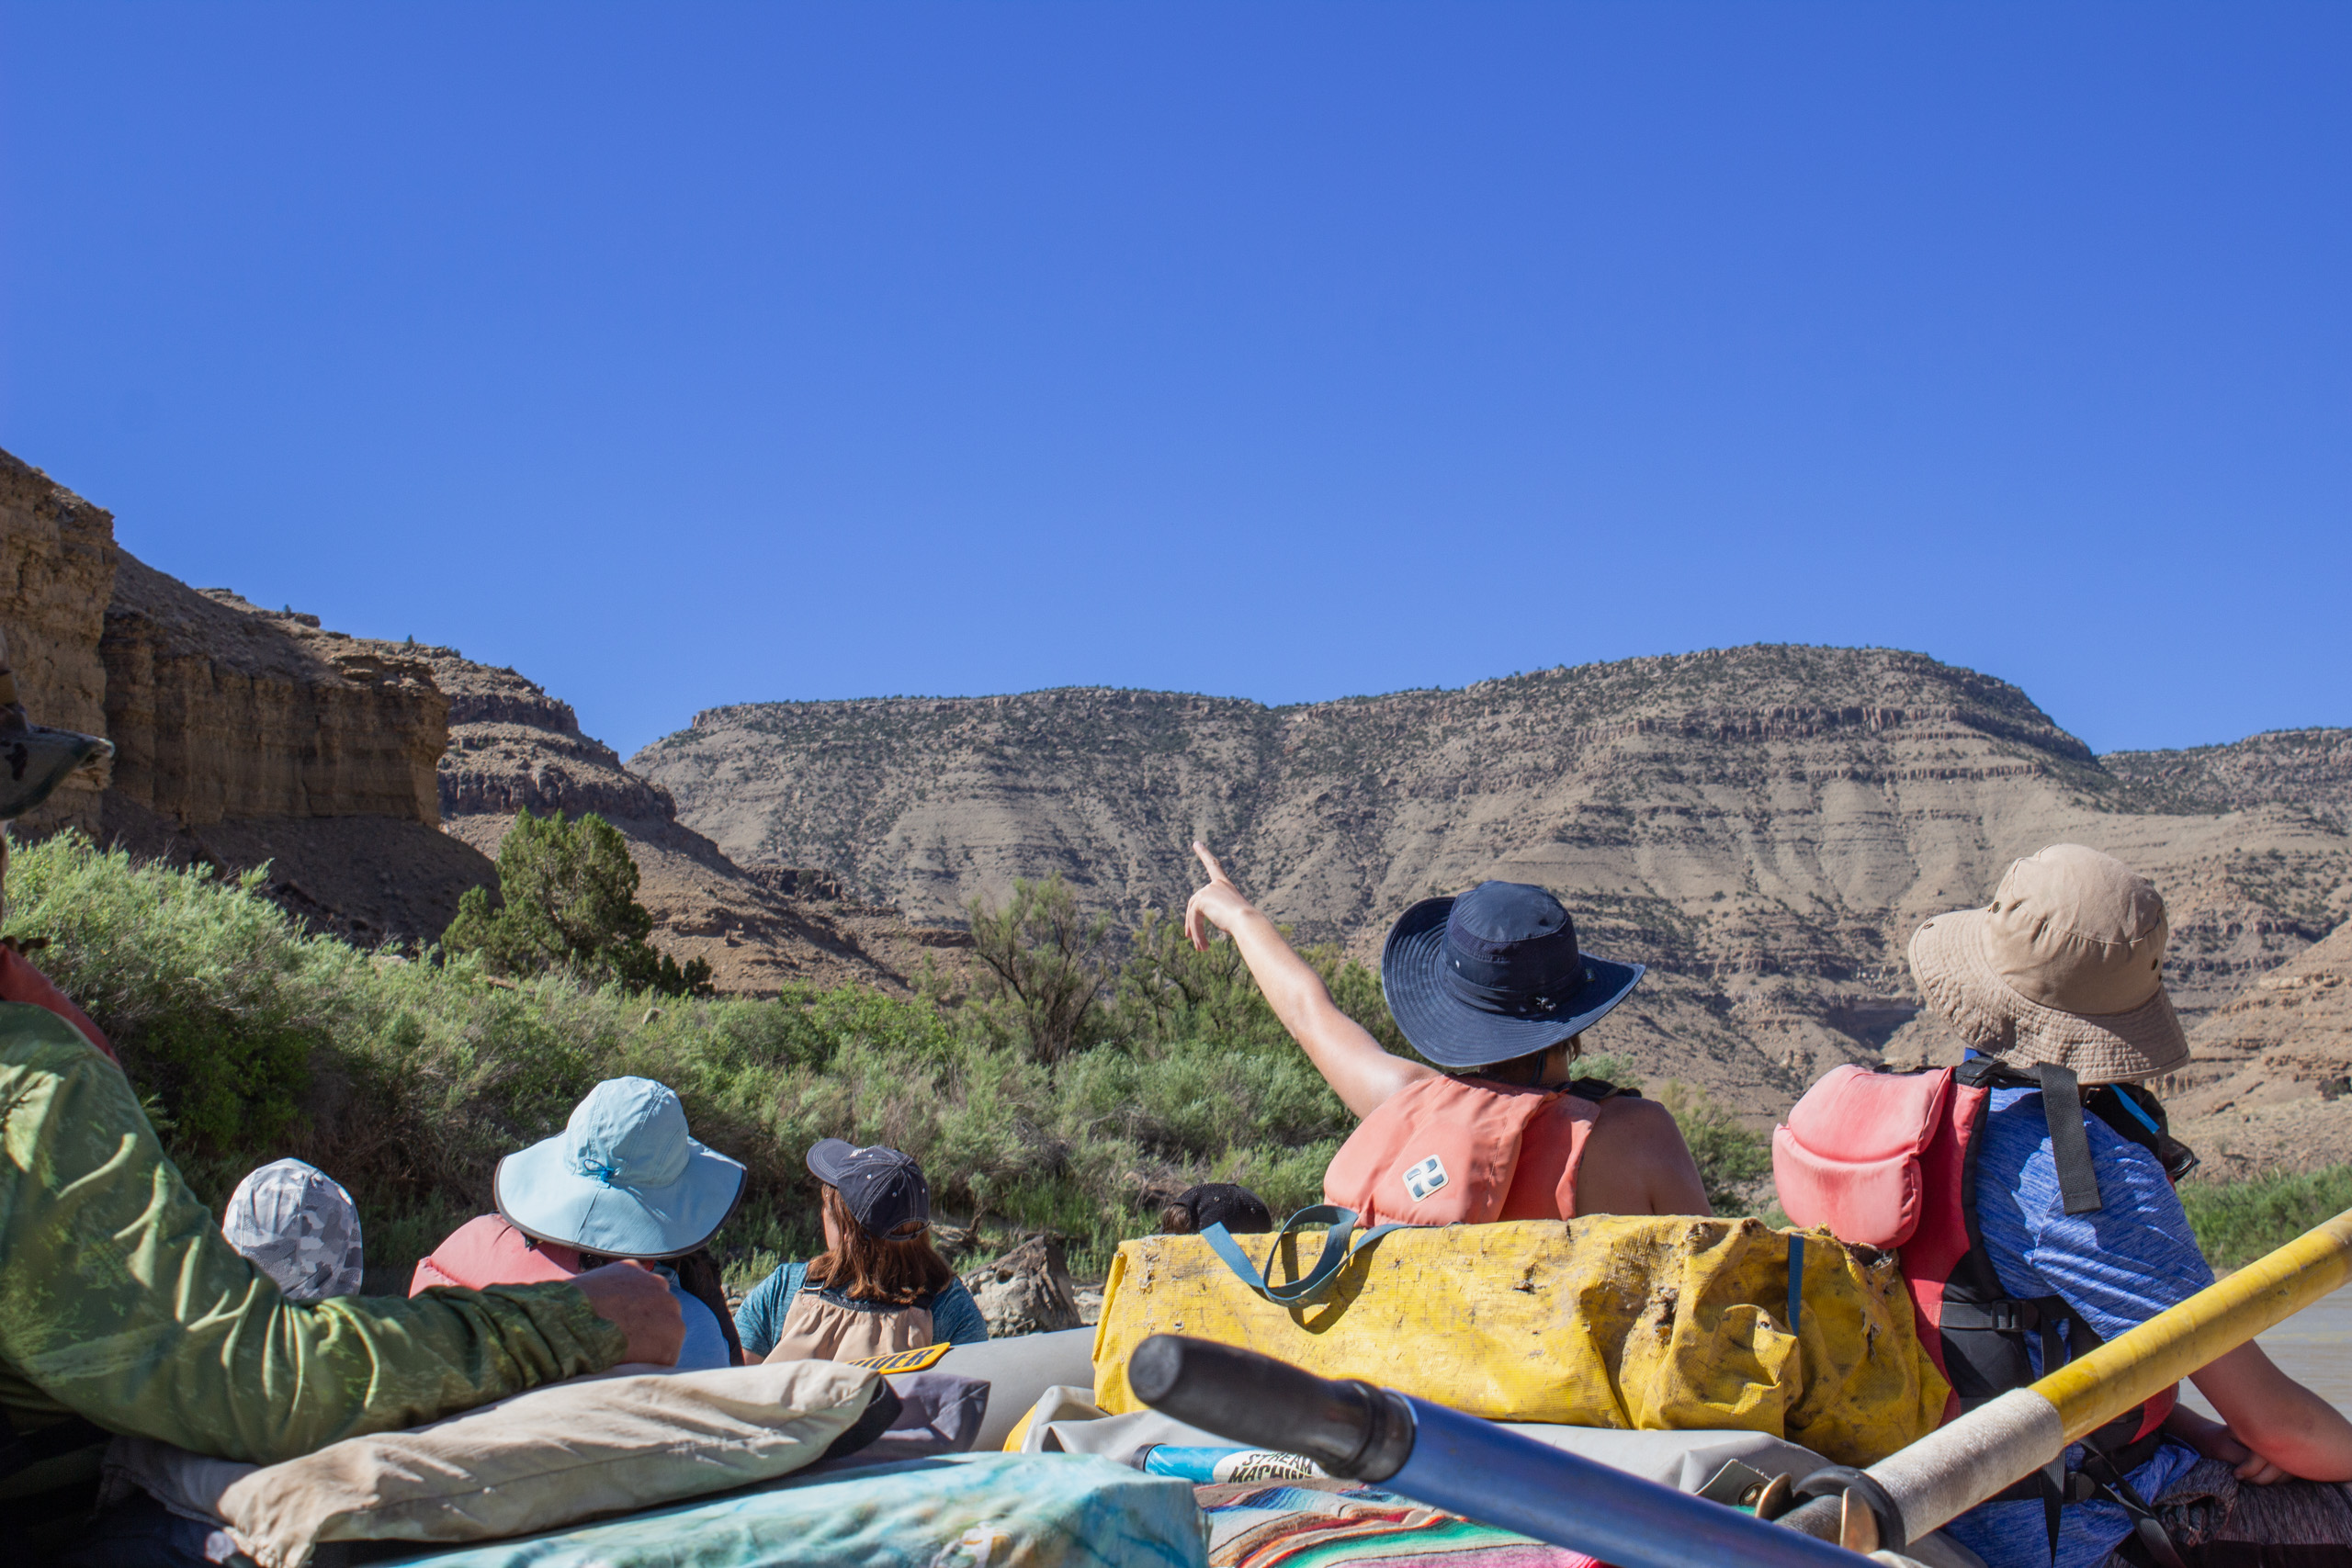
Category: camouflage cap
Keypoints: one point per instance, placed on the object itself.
(300, 1228)
(35, 759)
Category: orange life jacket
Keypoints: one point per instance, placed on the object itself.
(1448, 1151)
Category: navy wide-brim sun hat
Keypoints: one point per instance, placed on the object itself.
(1494, 974)
(623, 1178)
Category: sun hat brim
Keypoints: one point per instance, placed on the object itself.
(543, 1197)
(38, 759)
(1451, 1032)
(1956, 975)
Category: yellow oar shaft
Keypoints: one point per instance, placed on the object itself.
(2169, 1346)
(1956, 1467)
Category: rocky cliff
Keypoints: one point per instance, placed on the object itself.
(2270, 1082)
(222, 711)
(57, 568)
(241, 736)
(2307, 769)
(247, 736)
(1765, 825)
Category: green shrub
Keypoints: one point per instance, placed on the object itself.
(409, 1080)
(2237, 1221)
(203, 986)
(1734, 1165)
(1043, 968)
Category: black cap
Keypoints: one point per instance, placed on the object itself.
(882, 1189)
(1238, 1208)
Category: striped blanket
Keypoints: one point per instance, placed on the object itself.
(1322, 1524)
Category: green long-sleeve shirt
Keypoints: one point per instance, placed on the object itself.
(119, 1299)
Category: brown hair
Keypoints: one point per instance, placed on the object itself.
(868, 1268)
(1525, 1070)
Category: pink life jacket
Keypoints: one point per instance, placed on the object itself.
(20, 982)
(488, 1251)
(1888, 1159)
(1445, 1150)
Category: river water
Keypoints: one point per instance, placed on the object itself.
(2314, 1347)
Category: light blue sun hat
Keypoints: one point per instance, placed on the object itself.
(623, 1178)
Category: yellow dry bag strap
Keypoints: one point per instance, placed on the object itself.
(1317, 1282)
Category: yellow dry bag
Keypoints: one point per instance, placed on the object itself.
(1617, 1321)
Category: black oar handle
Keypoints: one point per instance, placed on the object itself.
(1349, 1428)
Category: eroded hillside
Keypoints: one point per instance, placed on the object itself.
(513, 747)
(1766, 825)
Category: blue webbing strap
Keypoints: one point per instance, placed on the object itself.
(1318, 1282)
(1796, 1279)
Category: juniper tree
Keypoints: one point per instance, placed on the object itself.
(568, 901)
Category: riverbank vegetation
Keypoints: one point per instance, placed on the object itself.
(1067, 1081)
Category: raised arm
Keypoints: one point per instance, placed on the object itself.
(1360, 1072)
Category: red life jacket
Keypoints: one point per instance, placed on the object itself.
(1888, 1159)
(488, 1251)
(20, 982)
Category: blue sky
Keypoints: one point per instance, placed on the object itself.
(679, 355)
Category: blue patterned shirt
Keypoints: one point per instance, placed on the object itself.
(2117, 1267)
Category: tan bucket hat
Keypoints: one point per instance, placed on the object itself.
(2064, 966)
(35, 759)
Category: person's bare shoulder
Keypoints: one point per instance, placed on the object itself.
(1636, 1163)
(1633, 1126)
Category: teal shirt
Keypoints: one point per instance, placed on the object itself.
(759, 1322)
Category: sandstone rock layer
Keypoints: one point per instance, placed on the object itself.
(57, 568)
(1764, 824)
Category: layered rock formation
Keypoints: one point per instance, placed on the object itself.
(241, 736)
(513, 748)
(246, 735)
(222, 711)
(2270, 1082)
(57, 566)
(2309, 768)
(1764, 824)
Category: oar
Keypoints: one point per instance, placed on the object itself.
(1954, 1468)
(1457, 1463)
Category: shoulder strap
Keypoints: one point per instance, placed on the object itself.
(2070, 1142)
(1318, 1282)
(2062, 1108)
(1598, 1090)
(2136, 1116)
(1991, 1072)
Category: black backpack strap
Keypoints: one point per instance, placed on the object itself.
(2155, 1540)
(2138, 1117)
(1601, 1088)
(2070, 1139)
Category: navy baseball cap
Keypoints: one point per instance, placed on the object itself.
(882, 1189)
